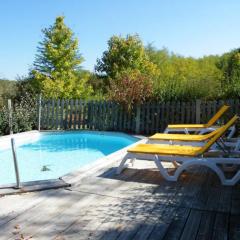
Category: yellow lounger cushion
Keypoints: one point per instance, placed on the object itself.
(183, 137)
(162, 149)
(187, 126)
(165, 149)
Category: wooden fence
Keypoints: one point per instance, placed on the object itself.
(147, 118)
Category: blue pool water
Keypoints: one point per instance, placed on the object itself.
(53, 155)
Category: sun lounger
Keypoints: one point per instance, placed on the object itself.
(200, 128)
(184, 157)
(195, 140)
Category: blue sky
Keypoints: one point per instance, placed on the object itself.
(187, 27)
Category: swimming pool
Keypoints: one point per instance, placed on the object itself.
(51, 155)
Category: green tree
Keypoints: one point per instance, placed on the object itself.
(57, 64)
(184, 78)
(125, 54)
(229, 64)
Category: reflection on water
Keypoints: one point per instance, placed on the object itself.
(96, 142)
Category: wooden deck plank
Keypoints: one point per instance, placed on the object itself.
(234, 231)
(85, 215)
(112, 205)
(177, 224)
(39, 216)
(159, 231)
(206, 226)
(138, 204)
(192, 225)
(220, 229)
(235, 203)
(14, 206)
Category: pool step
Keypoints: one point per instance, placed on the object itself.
(33, 186)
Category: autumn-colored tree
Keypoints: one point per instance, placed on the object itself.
(129, 88)
(57, 64)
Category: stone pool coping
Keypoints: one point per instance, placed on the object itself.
(68, 179)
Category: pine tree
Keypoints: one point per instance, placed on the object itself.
(57, 64)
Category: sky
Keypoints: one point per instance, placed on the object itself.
(187, 27)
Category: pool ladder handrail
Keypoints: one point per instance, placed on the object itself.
(18, 185)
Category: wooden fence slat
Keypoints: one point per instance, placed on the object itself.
(162, 117)
(182, 112)
(167, 112)
(188, 114)
(147, 118)
(236, 107)
(198, 111)
(158, 129)
(62, 114)
(66, 120)
(178, 115)
(90, 114)
(57, 115)
(112, 115)
(43, 115)
(70, 114)
(152, 118)
(142, 118)
(100, 122)
(193, 112)
(120, 121)
(48, 118)
(79, 113)
(115, 114)
(96, 114)
(75, 114)
(84, 114)
(52, 113)
(118, 117)
(104, 115)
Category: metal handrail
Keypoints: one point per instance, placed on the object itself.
(15, 163)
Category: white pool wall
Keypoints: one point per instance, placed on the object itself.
(20, 139)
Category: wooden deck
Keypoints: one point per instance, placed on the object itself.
(137, 205)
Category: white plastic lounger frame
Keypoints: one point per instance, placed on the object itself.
(183, 163)
(232, 130)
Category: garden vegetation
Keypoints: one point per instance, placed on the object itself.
(127, 72)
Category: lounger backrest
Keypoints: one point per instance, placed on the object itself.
(217, 115)
(219, 134)
(213, 133)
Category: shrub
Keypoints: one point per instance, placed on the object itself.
(130, 88)
(24, 116)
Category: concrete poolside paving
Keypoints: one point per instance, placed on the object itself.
(138, 204)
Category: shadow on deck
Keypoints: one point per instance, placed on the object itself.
(137, 204)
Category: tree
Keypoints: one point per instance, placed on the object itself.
(229, 64)
(125, 54)
(57, 64)
(129, 88)
(184, 78)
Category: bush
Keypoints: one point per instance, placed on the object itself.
(130, 88)
(24, 116)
